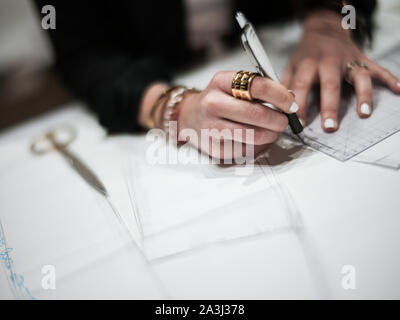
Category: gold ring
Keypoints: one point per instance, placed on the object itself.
(351, 66)
(241, 84)
(236, 84)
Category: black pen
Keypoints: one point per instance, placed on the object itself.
(261, 62)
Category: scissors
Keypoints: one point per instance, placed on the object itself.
(58, 140)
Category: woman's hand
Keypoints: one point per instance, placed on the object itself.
(218, 111)
(322, 56)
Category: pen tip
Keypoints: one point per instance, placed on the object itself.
(300, 138)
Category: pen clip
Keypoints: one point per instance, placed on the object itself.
(255, 49)
(252, 56)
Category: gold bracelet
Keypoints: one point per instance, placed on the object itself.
(172, 107)
(151, 122)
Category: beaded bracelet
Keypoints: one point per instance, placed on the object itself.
(172, 109)
(151, 122)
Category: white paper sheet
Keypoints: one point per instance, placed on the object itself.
(51, 216)
(186, 207)
(385, 154)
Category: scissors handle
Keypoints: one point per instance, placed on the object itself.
(82, 169)
(60, 137)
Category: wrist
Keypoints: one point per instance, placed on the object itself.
(186, 113)
(326, 22)
(150, 97)
(172, 109)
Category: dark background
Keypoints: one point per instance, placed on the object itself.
(28, 85)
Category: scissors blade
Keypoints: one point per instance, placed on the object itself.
(84, 171)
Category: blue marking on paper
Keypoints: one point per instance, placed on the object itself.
(15, 279)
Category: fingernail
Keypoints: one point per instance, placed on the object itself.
(365, 109)
(330, 123)
(294, 107)
(398, 84)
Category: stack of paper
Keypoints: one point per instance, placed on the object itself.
(181, 207)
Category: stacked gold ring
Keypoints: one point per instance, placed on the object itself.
(241, 84)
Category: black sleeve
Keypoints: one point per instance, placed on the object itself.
(95, 68)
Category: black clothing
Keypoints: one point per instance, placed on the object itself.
(108, 52)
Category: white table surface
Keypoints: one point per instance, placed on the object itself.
(350, 213)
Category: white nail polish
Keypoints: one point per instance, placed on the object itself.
(365, 109)
(398, 84)
(330, 123)
(294, 107)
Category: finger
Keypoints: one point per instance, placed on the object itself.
(330, 80)
(263, 89)
(272, 92)
(228, 130)
(301, 83)
(287, 76)
(246, 112)
(384, 76)
(361, 79)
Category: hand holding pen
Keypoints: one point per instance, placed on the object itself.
(216, 108)
(232, 105)
(263, 65)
